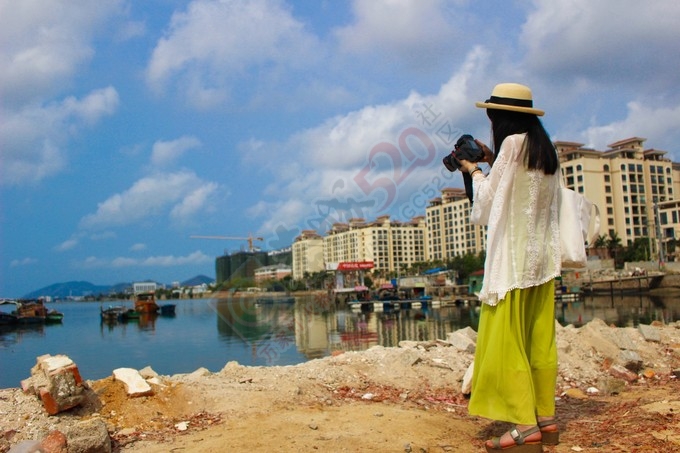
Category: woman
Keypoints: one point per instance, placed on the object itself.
(515, 367)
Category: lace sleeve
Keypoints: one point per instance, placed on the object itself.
(484, 189)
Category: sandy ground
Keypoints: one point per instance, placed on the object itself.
(405, 399)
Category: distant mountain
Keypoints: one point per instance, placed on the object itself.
(198, 280)
(82, 289)
(67, 289)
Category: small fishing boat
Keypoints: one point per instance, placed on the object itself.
(146, 303)
(31, 311)
(168, 310)
(129, 315)
(112, 313)
(53, 317)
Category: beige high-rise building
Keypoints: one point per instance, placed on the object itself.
(449, 231)
(634, 188)
(307, 254)
(390, 245)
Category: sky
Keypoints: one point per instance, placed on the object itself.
(127, 127)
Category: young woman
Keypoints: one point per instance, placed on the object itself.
(515, 367)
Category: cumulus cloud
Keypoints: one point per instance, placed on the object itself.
(32, 139)
(23, 262)
(42, 44)
(641, 120)
(153, 196)
(194, 258)
(607, 41)
(210, 44)
(165, 152)
(418, 34)
(67, 245)
(370, 161)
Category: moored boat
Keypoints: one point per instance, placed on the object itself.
(112, 313)
(31, 311)
(54, 316)
(168, 310)
(146, 303)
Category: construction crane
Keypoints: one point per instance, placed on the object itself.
(250, 239)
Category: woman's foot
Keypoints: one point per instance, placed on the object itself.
(520, 439)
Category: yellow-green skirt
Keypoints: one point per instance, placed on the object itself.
(515, 368)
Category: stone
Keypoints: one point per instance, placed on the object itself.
(466, 388)
(650, 333)
(89, 436)
(135, 385)
(55, 442)
(461, 342)
(147, 373)
(409, 357)
(575, 393)
(621, 372)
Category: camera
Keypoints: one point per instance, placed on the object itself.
(466, 149)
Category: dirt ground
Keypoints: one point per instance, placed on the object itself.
(405, 399)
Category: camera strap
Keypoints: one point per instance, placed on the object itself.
(467, 181)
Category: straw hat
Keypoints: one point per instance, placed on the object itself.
(511, 96)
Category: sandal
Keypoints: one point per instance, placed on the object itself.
(521, 445)
(550, 436)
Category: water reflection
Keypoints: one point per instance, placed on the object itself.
(621, 311)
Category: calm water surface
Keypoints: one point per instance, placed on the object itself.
(209, 333)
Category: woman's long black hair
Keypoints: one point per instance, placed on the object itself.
(540, 151)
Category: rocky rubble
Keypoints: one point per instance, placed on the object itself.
(595, 359)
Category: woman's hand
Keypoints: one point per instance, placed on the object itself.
(488, 154)
(467, 166)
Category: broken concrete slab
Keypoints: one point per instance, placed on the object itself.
(57, 382)
(135, 385)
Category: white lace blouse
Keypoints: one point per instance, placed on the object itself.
(520, 208)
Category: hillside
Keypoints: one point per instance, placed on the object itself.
(83, 289)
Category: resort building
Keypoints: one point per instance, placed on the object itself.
(307, 254)
(272, 272)
(390, 245)
(449, 231)
(635, 189)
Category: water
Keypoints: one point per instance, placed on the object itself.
(209, 333)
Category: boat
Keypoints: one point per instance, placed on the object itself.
(129, 315)
(31, 311)
(53, 317)
(168, 310)
(112, 313)
(146, 303)
(8, 319)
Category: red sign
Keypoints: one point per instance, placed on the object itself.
(355, 265)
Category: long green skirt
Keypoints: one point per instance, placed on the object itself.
(515, 368)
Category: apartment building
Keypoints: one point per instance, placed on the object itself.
(390, 245)
(449, 231)
(635, 189)
(307, 254)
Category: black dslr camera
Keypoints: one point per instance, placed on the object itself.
(466, 149)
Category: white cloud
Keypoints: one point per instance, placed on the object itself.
(369, 161)
(211, 44)
(416, 33)
(138, 247)
(609, 40)
(194, 258)
(164, 153)
(32, 139)
(67, 245)
(153, 196)
(658, 124)
(42, 44)
(23, 262)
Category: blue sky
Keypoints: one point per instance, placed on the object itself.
(128, 126)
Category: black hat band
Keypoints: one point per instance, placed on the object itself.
(511, 101)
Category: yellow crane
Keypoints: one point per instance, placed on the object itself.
(250, 239)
